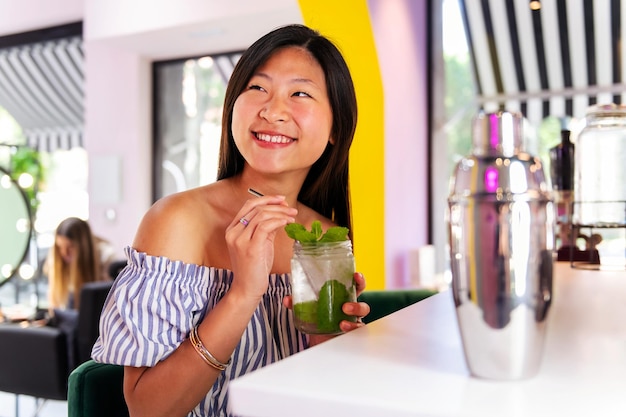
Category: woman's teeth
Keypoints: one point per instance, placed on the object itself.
(273, 138)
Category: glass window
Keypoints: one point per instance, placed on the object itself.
(461, 104)
(522, 59)
(55, 184)
(189, 96)
(41, 120)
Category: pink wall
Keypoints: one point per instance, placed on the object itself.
(117, 125)
(400, 32)
(25, 15)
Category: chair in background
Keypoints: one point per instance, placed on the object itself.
(93, 295)
(96, 390)
(35, 360)
(116, 267)
(384, 302)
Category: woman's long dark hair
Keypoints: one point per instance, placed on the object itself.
(325, 188)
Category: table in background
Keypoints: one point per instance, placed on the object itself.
(411, 363)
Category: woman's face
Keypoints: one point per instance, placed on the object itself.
(66, 248)
(282, 120)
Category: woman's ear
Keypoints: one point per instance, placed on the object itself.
(331, 140)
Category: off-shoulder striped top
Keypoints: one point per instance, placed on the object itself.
(155, 302)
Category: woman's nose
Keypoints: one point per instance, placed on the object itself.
(275, 110)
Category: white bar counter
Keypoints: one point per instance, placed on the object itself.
(411, 363)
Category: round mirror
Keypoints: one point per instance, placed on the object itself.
(15, 226)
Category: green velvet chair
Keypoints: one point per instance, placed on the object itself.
(385, 302)
(95, 389)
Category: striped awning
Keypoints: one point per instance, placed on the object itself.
(41, 86)
(546, 58)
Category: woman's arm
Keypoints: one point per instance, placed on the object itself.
(177, 384)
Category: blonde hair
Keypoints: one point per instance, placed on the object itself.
(65, 279)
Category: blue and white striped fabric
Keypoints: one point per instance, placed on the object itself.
(155, 302)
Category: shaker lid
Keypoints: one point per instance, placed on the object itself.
(498, 133)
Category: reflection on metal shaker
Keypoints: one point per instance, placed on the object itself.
(501, 227)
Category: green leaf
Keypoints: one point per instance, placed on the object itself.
(335, 234)
(316, 229)
(298, 232)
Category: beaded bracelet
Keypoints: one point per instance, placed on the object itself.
(204, 353)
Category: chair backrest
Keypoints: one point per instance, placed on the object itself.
(33, 361)
(92, 298)
(96, 390)
(384, 302)
(37, 361)
(116, 267)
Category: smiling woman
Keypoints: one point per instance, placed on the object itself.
(294, 87)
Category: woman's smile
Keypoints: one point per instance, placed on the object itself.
(270, 138)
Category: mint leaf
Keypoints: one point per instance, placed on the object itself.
(298, 232)
(316, 229)
(335, 234)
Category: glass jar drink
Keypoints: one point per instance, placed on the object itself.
(322, 280)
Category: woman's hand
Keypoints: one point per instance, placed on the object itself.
(250, 240)
(357, 309)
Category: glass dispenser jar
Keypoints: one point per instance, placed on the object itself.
(600, 168)
(599, 208)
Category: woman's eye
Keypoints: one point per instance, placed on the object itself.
(255, 87)
(301, 94)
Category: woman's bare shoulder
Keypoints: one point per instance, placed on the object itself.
(176, 225)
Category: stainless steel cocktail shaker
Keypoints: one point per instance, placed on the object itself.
(501, 224)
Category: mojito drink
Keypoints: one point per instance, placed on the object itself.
(322, 280)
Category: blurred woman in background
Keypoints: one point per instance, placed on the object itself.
(75, 259)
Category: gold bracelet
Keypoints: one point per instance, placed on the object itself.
(204, 353)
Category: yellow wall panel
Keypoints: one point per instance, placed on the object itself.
(347, 24)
